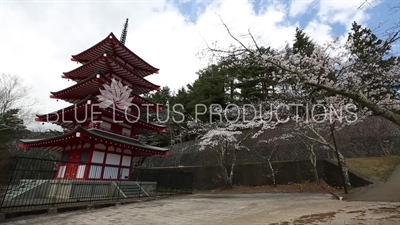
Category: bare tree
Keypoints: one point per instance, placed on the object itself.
(269, 162)
(315, 134)
(313, 157)
(226, 142)
(15, 95)
(15, 109)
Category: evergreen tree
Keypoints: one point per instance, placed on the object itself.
(208, 89)
(10, 124)
(302, 43)
(256, 82)
(363, 44)
(10, 121)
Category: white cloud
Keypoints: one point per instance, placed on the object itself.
(37, 39)
(338, 12)
(344, 12)
(299, 7)
(319, 32)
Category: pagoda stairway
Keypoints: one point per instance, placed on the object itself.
(25, 187)
(131, 189)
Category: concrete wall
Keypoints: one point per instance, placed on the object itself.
(208, 177)
(332, 176)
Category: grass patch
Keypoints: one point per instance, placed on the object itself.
(379, 168)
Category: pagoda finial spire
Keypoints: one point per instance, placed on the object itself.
(124, 32)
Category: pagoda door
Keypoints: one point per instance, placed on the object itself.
(72, 166)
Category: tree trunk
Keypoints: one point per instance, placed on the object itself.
(230, 183)
(225, 177)
(345, 169)
(232, 91)
(272, 172)
(222, 154)
(313, 159)
(271, 167)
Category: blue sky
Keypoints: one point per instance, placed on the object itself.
(37, 38)
(380, 11)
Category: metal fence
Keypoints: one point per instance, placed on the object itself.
(28, 184)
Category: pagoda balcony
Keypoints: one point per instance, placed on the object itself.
(102, 127)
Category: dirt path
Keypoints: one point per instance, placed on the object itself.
(385, 192)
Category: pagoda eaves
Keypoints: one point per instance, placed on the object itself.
(113, 45)
(106, 63)
(91, 86)
(82, 136)
(71, 115)
(99, 78)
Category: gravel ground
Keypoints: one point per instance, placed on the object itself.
(221, 209)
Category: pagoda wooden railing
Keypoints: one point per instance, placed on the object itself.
(107, 129)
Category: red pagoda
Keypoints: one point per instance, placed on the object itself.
(101, 128)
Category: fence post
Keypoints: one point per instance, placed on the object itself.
(184, 182)
(58, 185)
(140, 189)
(117, 192)
(9, 183)
(91, 184)
(191, 183)
(170, 184)
(118, 188)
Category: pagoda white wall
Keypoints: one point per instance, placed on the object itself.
(95, 170)
(111, 172)
(98, 157)
(126, 161)
(113, 159)
(61, 172)
(111, 165)
(125, 173)
(81, 171)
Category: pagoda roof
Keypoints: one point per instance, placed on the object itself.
(91, 86)
(66, 117)
(80, 134)
(96, 80)
(113, 45)
(107, 64)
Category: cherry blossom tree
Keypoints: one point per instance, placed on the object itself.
(312, 124)
(317, 126)
(273, 149)
(361, 71)
(236, 125)
(362, 68)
